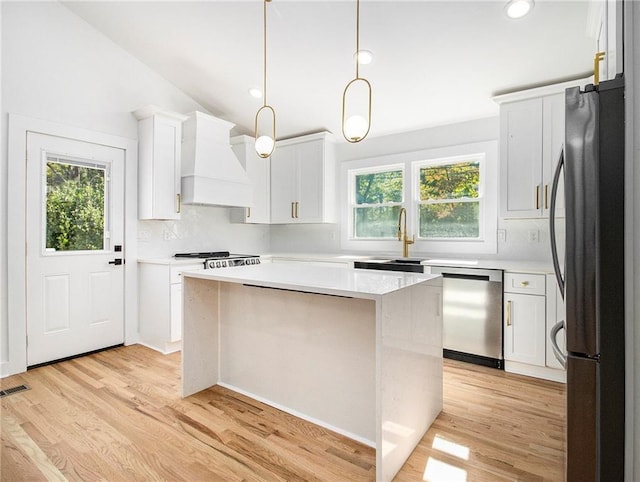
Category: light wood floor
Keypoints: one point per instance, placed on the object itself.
(118, 415)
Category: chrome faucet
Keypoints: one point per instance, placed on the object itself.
(403, 236)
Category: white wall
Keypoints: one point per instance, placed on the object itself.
(58, 68)
(326, 238)
(200, 228)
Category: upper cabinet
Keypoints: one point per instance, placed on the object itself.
(259, 173)
(303, 180)
(605, 20)
(159, 168)
(531, 139)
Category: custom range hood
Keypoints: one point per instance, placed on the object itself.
(211, 172)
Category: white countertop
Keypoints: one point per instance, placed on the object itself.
(345, 259)
(354, 283)
(173, 261)
(506, 265)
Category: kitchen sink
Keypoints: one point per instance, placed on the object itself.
(407, 261)
(407, 265)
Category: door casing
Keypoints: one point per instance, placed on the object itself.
(16, 357)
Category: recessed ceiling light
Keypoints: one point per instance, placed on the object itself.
(364, 57)
(518, 8)
(257, 93)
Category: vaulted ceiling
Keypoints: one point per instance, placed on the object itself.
(436, 62)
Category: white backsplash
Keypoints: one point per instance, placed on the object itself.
(325, 238)
(200, 228)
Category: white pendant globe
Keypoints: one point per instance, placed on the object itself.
(264, 146)
(355, 127)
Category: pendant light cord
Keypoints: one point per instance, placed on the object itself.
(357, 39)
(264, 56)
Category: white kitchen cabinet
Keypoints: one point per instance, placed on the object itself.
(259, 172)
(160, 304)
(524, 329)
(303, 180)
(532, 305)
(531, 138)
(532, 134)
(607, 31)
(159, 168)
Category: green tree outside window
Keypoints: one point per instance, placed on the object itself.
(450, 200)
(74, 207)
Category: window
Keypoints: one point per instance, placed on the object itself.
(449, 199)
(450, 193)
(75, 206)
(377, 196)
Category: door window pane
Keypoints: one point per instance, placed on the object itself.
(75, 206)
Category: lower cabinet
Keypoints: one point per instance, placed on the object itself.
(524, 331)
(160, 305)
(532, 306)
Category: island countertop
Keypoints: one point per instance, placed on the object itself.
(339, 281)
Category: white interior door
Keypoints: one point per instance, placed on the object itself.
(74, 232)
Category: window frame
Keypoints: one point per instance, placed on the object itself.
(418, 165)
(423, 247)
(352, 204)
(103, 165)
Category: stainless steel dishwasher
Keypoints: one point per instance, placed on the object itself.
(472, 315)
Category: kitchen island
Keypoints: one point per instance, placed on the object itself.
(356, 351)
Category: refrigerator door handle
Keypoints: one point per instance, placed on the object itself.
(553, 335)
(552, 223)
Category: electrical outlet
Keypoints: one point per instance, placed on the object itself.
(502, 235)
(534, 236)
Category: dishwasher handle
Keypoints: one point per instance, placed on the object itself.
(472, 277)
(475, 274)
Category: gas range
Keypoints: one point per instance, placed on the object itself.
(222, 259)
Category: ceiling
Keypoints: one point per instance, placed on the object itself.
(435, 62)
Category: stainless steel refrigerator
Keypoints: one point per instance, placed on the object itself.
(592, 281)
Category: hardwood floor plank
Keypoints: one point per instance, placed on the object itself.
(118, 415)
(17, 437)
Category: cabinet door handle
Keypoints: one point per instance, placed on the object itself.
(297, 206)
(508, 313)
(538, 196)
(178, 202)
(546, 196)
(524, 284)
(293, 209)
(248, 212)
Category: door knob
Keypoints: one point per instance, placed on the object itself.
(117, 261)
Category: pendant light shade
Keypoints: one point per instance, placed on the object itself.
(265, 143)
(356, 126)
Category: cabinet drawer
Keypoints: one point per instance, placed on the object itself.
(176, 276)
(525, 283)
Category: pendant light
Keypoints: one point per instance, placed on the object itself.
(356, 127)
(265, 143)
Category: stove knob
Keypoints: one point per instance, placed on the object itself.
(224, 264)
(217, 264)
(258, 261)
